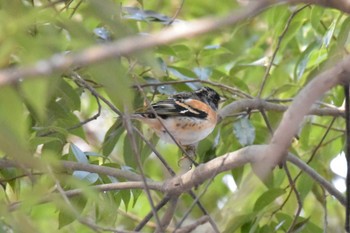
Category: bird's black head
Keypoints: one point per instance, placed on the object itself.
(209, 96)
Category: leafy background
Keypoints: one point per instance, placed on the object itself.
(47, 120)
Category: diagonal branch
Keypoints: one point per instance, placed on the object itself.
(128, 45)
(313, 91)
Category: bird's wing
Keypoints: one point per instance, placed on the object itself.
(173, 107)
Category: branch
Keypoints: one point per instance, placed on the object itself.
(243, 105)
(194, 177)
(110, 171)
(177, 185)
(189, 228)
(129, 45)
(292, 118)
(342, 5)
(116, 186)
(255, 155)
(317, 177)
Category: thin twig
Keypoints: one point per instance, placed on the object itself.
(317, 177)
(137, 220)
(172, 173)
(177, 12)
(347, 154)
(297, 195)
(316, 148)
(230, 89)
(267, 122)
(155, 151)
(142, 223)
(136, 152)
(82, 82)
(279, 41)
(313, 154)
(70, 205)
(189, 228)
(96, 94)
(325, 217)
(169, 213)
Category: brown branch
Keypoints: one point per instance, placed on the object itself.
(279, 42)
(205, 171)
(342, 5)
(137, 156)
(110, 171)
(230, 89)
(293, 117)
(169, 213)
(255, 155)
(145, 220)
(116, 186)
(177, 185)
(193, 226)
(243, 105)
(317, 177)
(297, 195)
(128, 45)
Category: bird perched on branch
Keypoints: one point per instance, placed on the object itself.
(188, 116)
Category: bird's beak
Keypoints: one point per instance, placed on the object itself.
(222, 99)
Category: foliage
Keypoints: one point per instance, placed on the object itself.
(73, 115)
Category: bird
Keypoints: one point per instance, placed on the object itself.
(188, 116)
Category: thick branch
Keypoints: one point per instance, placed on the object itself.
(256, 155)
(292, 118)
(129, 45)
(183, 183)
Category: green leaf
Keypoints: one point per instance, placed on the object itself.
(79, 155)
(267, 198)
(329, 34)
(244, 131)
(126, 196)
(43, 140)
(315, 19)
(181, 73)
(304, 186)
(66, 215)
(36, 93)
(344, 32)
(90, 177)
(13, 123)
(116, 82)
(112, 136)
(303, 60)
(203, 73)
(128, 153)
(166, 50)
(65, 218)
(237, 174)
(69, 95)
(136, 194)
(162, 89)
(238, 221)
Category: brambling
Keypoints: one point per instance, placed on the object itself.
(188, 116)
